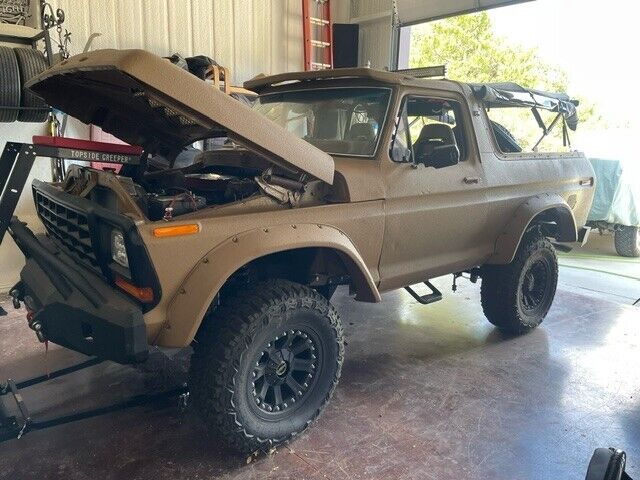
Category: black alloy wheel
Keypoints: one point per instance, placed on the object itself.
(285, 371)
(534, 289)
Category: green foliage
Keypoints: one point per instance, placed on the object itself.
(474, 53)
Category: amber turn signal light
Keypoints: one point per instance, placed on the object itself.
(144, 294)
(177, 230)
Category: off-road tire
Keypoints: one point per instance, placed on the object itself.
(31, 62)
(627, 241)
(237, 333)
(506, 289)
(10, 85)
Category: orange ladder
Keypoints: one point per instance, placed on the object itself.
(316, 20)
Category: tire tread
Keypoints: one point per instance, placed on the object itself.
(10, 85)
(229, 329)
(626, 242)
(31, 62)
(499, 287)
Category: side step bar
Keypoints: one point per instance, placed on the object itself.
(432, 297)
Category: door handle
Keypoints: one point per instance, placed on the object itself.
(471, 180)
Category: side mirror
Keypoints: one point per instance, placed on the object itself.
(441, 156)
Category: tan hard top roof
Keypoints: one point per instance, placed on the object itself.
(145, 100)
(262, 82)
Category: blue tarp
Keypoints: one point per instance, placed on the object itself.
(617, 196)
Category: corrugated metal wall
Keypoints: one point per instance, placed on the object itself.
(250, 36)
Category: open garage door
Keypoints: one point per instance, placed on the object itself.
(418, 11)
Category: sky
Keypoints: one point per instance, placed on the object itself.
(596, 42)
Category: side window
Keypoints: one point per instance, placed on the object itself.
(430, 132)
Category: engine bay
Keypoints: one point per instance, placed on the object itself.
(167, 189)
(176, 195)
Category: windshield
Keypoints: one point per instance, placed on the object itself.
(341, 121)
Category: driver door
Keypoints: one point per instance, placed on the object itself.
(434, 214)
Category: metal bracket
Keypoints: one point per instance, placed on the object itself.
(15, 164)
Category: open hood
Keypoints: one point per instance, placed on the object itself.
(145, 100)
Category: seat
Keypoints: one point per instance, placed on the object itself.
(435, 134)
(361, 132)
(432, 136)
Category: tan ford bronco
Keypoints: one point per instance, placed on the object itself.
(375, 180)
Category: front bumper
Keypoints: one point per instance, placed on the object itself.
(75, 308)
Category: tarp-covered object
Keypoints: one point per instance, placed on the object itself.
(617, 196)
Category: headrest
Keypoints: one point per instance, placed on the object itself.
(361, 131)
(437, 131)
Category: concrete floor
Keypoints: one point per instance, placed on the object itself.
(426, 392)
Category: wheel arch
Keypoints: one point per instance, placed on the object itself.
(188, 307)
(548, 210)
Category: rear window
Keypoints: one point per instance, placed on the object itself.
(340, 121)
(516, 130)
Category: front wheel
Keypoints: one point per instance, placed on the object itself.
(265, 364)
(516, 297)
(627, 241)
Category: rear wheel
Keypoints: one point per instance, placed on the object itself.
(627, 241)
(516, 297)
(265, 364)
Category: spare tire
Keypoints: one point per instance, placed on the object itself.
(31, 62)
(10, 85)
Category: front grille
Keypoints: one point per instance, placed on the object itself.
(69, 227)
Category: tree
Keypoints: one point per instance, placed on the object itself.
(473, 52)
